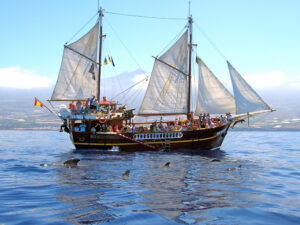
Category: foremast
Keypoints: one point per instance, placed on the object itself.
(100, 52)
(190, 23)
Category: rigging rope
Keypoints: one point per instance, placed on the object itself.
(82, 28)
(211, 42)
(131, 87)
(147, 17)
(131, 55)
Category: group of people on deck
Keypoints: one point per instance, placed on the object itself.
(91, 105)
(204, 121)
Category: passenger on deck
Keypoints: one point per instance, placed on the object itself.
(225, 119)
(71, 105)
(133, 129)
(98, 127)
(109, 128)
(160, 127)
(115, 128)
(210, 123)
(207, 116)
(153, 127)
(176, 121)
(87, 103)
(92, 100)
(78, 106)
(86, 109)
(82, 127)
(93, 130)
(72, 108)
(199, 120)
(81, 110)
(95, 106)
(124, 129)
(203, 123)
(229, 116)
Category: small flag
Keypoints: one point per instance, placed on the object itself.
(112, 61)
(37, 103)
(92, 71)
(105, 61)
(197, 60)
(109, 59)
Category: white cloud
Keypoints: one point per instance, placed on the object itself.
(266, 80)
(295, 83)
(16, 77)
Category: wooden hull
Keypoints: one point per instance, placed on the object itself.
(196, 140)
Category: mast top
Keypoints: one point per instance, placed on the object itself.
(189, 8)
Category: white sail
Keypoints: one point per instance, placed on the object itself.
(77, 77)
(246, 99)
(213, 97)
(168, 87)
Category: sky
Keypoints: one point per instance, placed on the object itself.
(260, 38)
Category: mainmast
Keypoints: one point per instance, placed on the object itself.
(100, 52)
(190, 68)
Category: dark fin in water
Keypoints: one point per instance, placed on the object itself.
(71, 162)
(216, 160)
(167, 164)
(235, 168)
(126, 173)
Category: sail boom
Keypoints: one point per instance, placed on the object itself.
(245, 115)
(66, 100)
(160, 114)
(66, 46)
(173, 67)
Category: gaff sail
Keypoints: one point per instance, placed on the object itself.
(77, 77)
(168, 86)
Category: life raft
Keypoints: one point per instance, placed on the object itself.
(102, 119)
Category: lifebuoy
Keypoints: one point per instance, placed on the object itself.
(102, 119)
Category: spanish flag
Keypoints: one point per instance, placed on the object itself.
(105, 61)
(197, 59)
(37, 103)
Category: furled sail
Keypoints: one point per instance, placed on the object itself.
(246, 99)
(168, 86)
(213, 97)
(77, 77)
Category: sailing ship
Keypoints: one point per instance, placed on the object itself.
(168, 95)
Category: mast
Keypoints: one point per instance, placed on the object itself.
(100, 52)
(190, 68)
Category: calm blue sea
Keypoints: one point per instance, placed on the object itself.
(193, 190)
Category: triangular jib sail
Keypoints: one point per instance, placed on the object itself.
(77, 77)
(168, 86)
(213, 97)
(246, 99)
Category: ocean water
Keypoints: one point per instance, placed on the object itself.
(256, 181)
